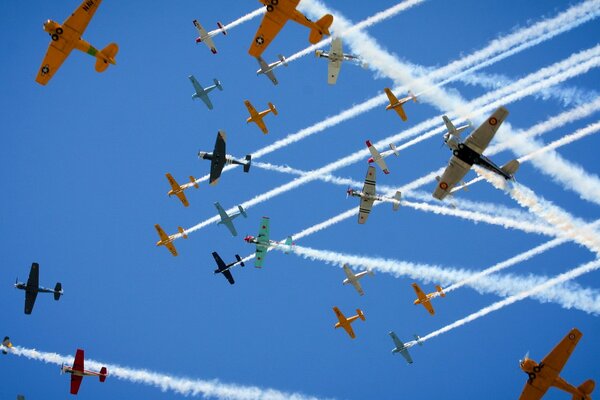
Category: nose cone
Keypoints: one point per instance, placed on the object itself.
(370, 160)
(201, 154)
(248, 238)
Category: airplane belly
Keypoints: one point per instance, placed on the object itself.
(467, 155)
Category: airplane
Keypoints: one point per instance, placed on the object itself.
(346, 322)
(451, 130)
(218, 158)
(257, 117)
(32, 288)
(202, 93)
(403, 348)
(368, 196)
(353, 278)
(546, 374)
(335, 56)
(227, 219)
(267, 69)
(469, 152)
(206, 37)
(6, 345)
(263, 243)
(20, 397)
(396, 104)
(77, 372)
(278, 13)
(67, 37)
(378, 158)
(425, 299)
(178, 190)
(224, 269)
(167, 240)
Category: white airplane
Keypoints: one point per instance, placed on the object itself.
(378, 157)
(336, 56)
(267, 69)
(206, 37)
(353, 278)
(368, 196)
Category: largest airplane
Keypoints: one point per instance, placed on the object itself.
(67, 37)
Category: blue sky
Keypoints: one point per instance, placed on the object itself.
(83, 163)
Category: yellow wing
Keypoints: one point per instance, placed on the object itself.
(57, 53)
(163, 236)
(271, 24)
(171, 249)
(81, 17)
(251, 109)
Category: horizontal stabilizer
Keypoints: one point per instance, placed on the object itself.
(57, 291)
(272, 108)
(283, 60)
(397, 197)
(107, 57)
(360, 314)
(586, 388)
(237, 256)
(394, 150)
(7, 344)
(182, 231)
(323, 25)
(511, 167)
(103, 374)
(418, 339)
(440, 290)
(217, 84)
(248, 163)
(242, 211)
(193, 180)
(222, 28)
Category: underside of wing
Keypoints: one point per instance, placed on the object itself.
(261, 252)
(171, 248)
(231, 227)
(348, 328)
(250, 108)
(400, 111)
(406, 356)
(336, 47)
(554, 362)
(29, 301)
(206, 100)
(261, 124)
(270, 26)
(220, 148)
(264, 230)
(534, 391)
(453, 174)
(80, 19)
(358, 288)
(161, 233)
(183, 199)
(428, 307)
(364, 210)
(271, 76)
(483, 135)
(220, 263)
(79, 362)
(53, 59)
(34, 276)
(227, 274)
(216, 167)
(75, 383)
(333, 70)
(370, 180)
(420, 294)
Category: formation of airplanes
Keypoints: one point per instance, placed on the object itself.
(368, 196)
(257, 117)
(32, 288)
(336, 56)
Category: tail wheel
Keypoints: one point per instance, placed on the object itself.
(270, 8)
(54, 37)
(59, 31)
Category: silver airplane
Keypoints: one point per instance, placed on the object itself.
(267, 69)
(336, 56)
(353, 278)
(227, 219)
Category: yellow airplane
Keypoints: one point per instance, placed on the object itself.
(167, 240)
(425, 299)
(67, 37)
(396, 104)
(178, 190)
(257, 117)
(346, 322)
(278, 13)
(546, 374)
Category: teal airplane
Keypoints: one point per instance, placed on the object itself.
(227, 219)
(263, 243)
(403, 348)
(202, 93)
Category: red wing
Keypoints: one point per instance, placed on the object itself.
(75, 383)
(78, 363)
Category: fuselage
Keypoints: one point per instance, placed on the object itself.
(40, 289)
(69, 35)
(69, 370)
(469, 156)
(536, 371)
(357, 193)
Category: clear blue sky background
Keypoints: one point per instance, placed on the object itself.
(83, 164)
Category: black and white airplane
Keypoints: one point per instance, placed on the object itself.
(218, 158)
(224, 269)
(32, 288)
(368, 196)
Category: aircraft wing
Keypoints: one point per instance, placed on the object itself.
(557, 358)
(34, 276)
(370, 180)
(336, 47)
(171, 248)
(454, 173)
(218, 160)
(379, 160)
(364, 210)
(220, 263)
(358, 288)
(264, 230)
(80, 19)
(261, 252)
(261, 124)
(56, 54)
(161, 233)
(333, 70)
(204, 97)
(271, 76)
(399, 345)
(483, 135)
(184, 200)
(227, 274)
(75, 383)
(420, 294)
(199, 89)
(250, 108)
(270, 25)
(29, 301)
(78, 363)
(349, 330)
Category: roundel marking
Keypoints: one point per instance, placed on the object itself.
(443, 185)
(259, 40)
(493, 121)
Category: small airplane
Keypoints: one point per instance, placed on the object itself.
(267, 69)
(202, 93)
(178, 190)
(425, 299)
(257, 117)
(368, 196)
(67, 37)
(403, 348)
(336, 56)
(20, 397)
(218, 158)
(278, 13)
(167, 240)
(469, 152)
(263, 243)
(32, 288)
(396, 104)
(346, 322)
(6, 345)
(378, 158)
(224, 269)
(77, 372)
(353, 278)
(546, 374)
(206, 37)
(227, 219)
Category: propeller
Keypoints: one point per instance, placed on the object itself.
(524, 358)
(349, 191)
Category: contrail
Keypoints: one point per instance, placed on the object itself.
(245, 18)
(184, 386)
(549, 284)
(587, 300)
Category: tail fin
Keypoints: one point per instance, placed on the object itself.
(394, 149)
(7, 344)
(511, 167)
(107, 57)
(289, 243)
(103, 374)
(193, 180)
(237, 256)
(440, 290)
(248, 163)
(283, 60)
(586, 388)
(217, 84)
(412, 95)
(418, 339)
(397, 197)
(57, 291)
(360, 314)
(221, 27)
(182, 231)
(322, 28)
(242, 211)
(273, 109)
(449, 125)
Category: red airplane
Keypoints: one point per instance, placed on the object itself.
(77, 372)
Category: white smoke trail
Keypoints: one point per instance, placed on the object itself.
(245, 18)
(184, 386)
(549, 284)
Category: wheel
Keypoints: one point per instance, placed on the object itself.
(455, 152)
(537, 369)
(269, 8)
(54, 37)
(59, 31)
(274, 2)
(531, 377)
(461, 146)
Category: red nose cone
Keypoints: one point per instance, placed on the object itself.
(371, 160)
(248, 239)
(198, 40)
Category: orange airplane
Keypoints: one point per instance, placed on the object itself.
(278, 13)
(396, 104)
(346, 322)
(178, 190)
(546, 374)
(257, 117)
(67, 37)
(167, 240)
(425, 299)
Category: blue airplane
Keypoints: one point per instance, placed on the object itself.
(403, 348)
(227, 219)
(202, 93)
